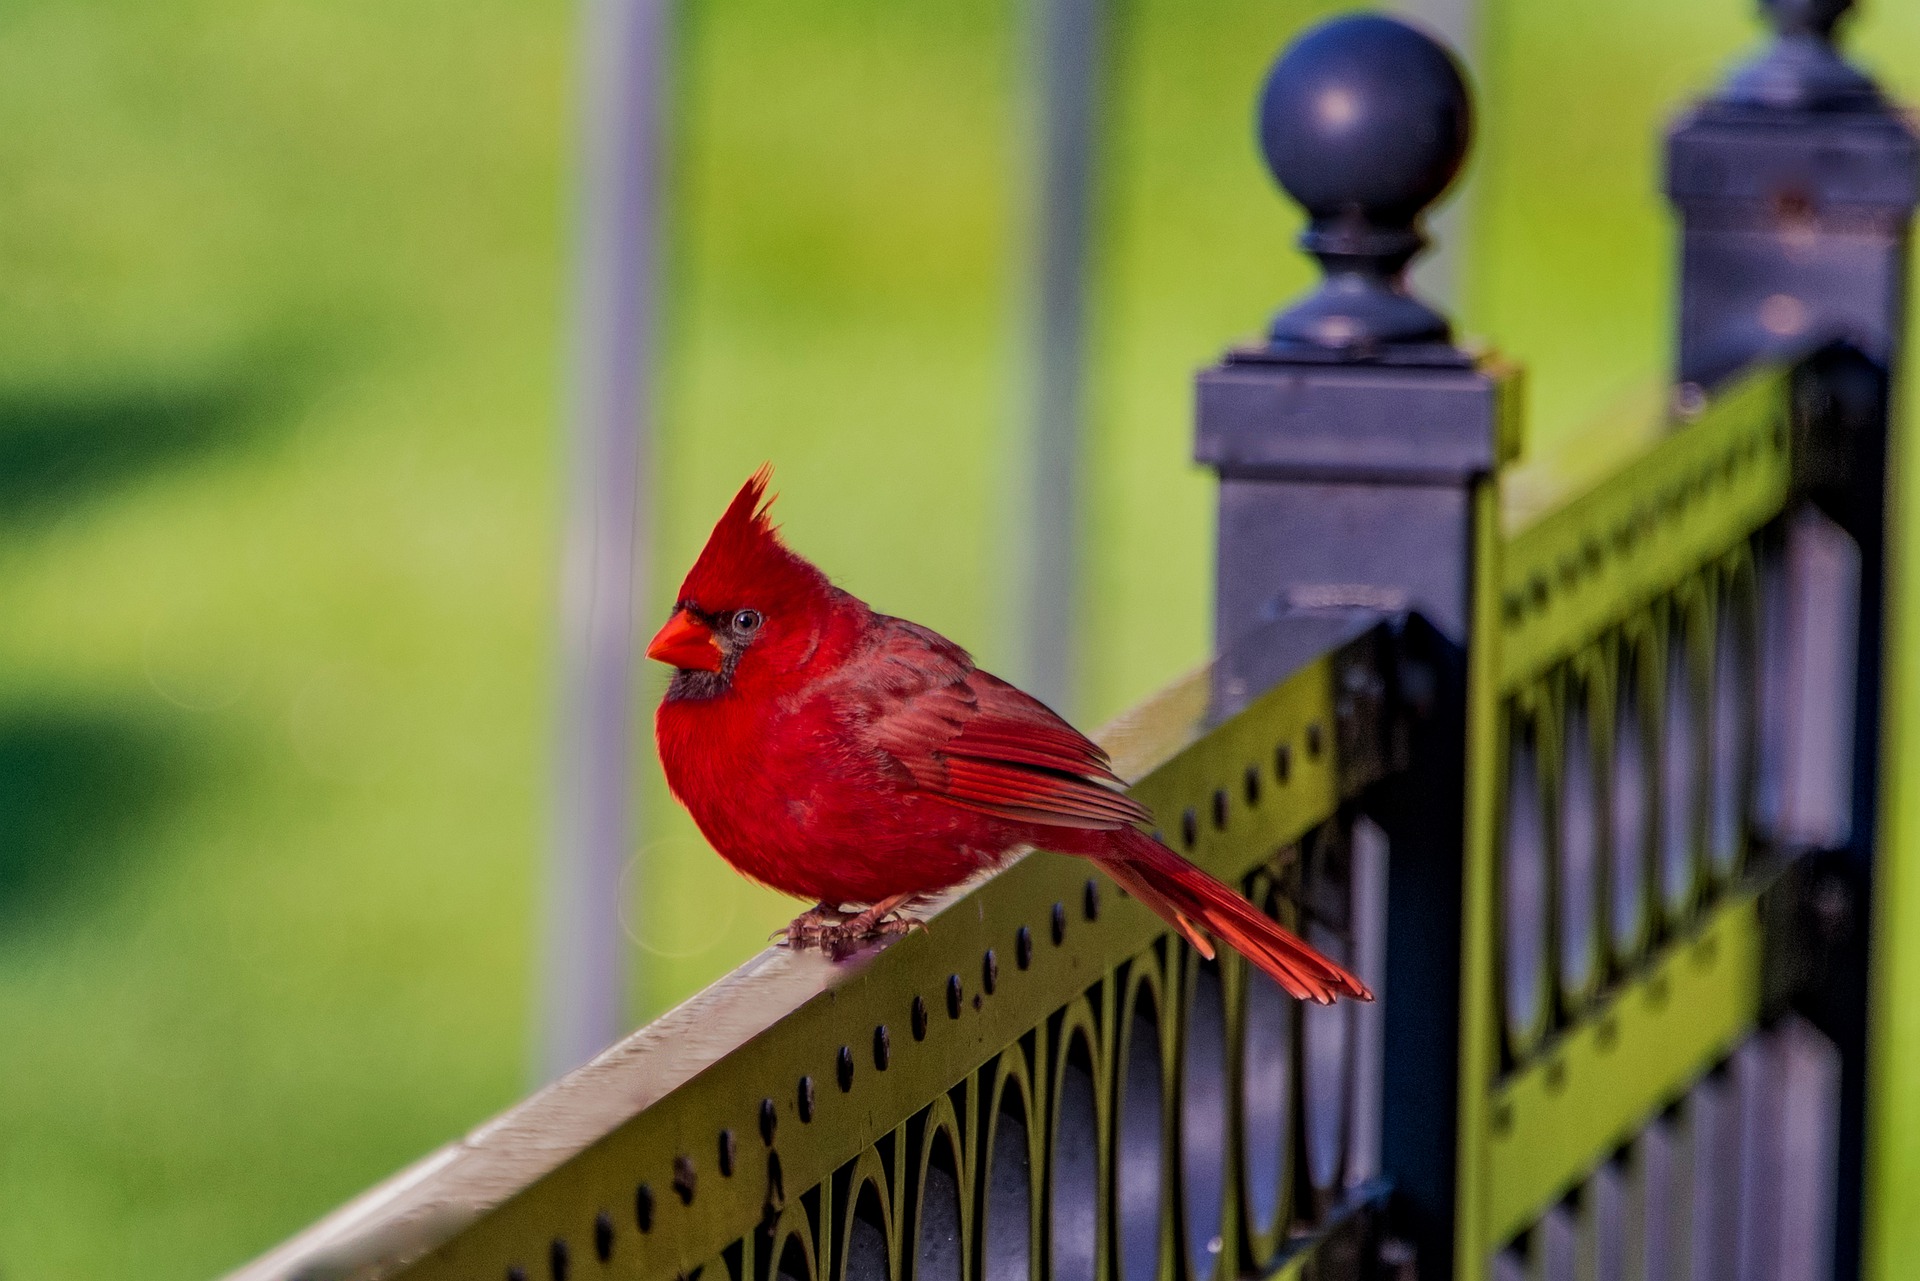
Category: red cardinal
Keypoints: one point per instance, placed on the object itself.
(840, 755)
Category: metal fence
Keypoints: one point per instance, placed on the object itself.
(1574, 760)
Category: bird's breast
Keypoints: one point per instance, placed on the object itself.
(797, 803)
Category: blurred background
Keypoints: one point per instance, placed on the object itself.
(286, 341)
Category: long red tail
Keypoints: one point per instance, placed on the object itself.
(1198, 905)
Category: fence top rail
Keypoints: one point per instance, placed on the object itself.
(1546, 480)
(1591, 537)
(754, 1022)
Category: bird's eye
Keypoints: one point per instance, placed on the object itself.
(747, 621)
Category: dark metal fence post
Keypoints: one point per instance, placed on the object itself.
(1349, 443)
(1352, 448)
(1796, 185)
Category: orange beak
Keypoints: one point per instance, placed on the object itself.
(685, 642)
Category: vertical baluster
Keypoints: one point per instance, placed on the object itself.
(1370, 856)
(1683, 751)
(1007, 1206)
(1327, 1031)
(1581, 836)
(1759, 1209)
(1525, 901)
(790, 1253)
(867, 1240)
(1630, 834)
(1558, 1236)
(1666, 1168)
(1511, 1263)
(1140, 1149)
(1714, 1106)
(1735, 714)
(1776, 684)
(1268, 1040)
(1203, 1118)
(1075, 1165)
(1815, 733)
(1802, 1110)
(935, 1217)
(1613, 1221)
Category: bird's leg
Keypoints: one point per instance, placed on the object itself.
(880, 919)
(815, 925)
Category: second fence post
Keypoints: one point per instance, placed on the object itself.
(1796, 183)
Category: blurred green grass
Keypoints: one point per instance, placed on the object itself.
(277, 352)
(281, 362)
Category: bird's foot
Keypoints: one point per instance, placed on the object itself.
(888, 916)
(886, 919)
(839, 934)
(815, 925)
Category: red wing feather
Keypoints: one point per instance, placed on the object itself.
(988, 738)
(1066, 802)
(1009, 717)
(1185, 897)
(1021, 753)
(976, 741)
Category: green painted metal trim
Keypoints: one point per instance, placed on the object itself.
(710, 1108)
(1567, 575)
(1292, 1271)
(1892, 1231)
(1297, 713)
(1642, 1049)
(1479, 1022)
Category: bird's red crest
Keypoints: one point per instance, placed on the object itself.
(744, 561)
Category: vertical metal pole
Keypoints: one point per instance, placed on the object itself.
(1066, 61)
(583, 999)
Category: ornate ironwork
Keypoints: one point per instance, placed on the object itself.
(1632, 717)
(1042, 1074)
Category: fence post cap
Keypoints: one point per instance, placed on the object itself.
(1364, 120)
(1805, 17)
(1801, 70)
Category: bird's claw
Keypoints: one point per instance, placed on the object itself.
(815, 925)
(839, 934)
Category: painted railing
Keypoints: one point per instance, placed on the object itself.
(1574, 759)
(994, 1089)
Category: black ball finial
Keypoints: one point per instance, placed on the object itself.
(1365, 121)
(1801, 70)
